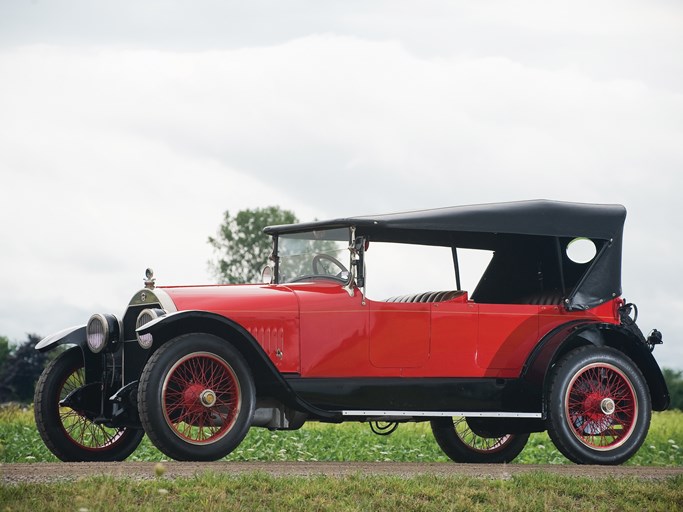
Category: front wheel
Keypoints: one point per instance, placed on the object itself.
(69, 433)
(460, 442)
(196, 398)
(599, 406)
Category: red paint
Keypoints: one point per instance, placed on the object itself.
(399, 334)
(269, 313)
(317, 329)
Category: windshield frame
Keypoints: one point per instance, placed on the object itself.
(315, 235)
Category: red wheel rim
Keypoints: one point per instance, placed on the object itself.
(601, 406)
(79, 429)
(477, 443)
(201, 398)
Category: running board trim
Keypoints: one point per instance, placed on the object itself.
(440, 414)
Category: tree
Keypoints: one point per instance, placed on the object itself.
(674, 381)
(20, 371)
(241, 247)
(4, 350)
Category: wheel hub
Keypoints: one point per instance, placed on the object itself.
(607, 406)
(207, 398)
(197, 396)
(592, 406)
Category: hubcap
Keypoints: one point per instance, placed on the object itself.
(607, 406)
(207, 398)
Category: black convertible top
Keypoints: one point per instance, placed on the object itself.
(529, 240)
(535, 217)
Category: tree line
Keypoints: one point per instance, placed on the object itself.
(20, 367)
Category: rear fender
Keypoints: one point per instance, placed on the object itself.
(572, 335)
(626, 340)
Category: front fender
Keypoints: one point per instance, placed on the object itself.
(69, 336)
(268, 379)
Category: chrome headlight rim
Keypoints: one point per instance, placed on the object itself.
(147, 315)
(101, 331)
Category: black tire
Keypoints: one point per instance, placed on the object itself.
(196, 398)
(599, 406)
(457, 440)
(71, 436)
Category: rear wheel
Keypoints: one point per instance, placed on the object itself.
(196, 398)
(69, 433)
(462, 444)
(599, 406)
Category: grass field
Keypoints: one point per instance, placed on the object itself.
(531, 492)
(20, 442)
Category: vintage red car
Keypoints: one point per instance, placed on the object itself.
(545, 341)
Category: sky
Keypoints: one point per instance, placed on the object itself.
(127, 128)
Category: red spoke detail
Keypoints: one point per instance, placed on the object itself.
(183, 409)
(476, 442)
(80, 430)
(584, 406)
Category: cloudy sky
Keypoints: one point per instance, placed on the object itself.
(127, 128)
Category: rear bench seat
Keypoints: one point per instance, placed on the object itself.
(427, 296)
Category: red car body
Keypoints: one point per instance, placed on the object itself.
(321, 331)
(544, 342)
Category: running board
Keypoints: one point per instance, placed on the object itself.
(439, 414)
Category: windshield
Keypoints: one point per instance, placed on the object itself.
(314, 254)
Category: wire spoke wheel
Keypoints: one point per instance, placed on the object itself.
(77, 427)
(478, 443)
(196, 397)
(601, 406)
(456, 437)
(201, 398)
(69, 433)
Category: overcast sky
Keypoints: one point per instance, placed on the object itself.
(127, 128)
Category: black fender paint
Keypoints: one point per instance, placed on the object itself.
(574, 334)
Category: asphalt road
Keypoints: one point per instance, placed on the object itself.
(50, 472)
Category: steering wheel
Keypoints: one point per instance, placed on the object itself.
(318, 266)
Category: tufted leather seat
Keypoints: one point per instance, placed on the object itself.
(427, 296)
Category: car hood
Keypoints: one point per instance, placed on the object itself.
(234, 300)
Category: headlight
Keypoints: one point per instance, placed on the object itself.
(101, 331)
(146, 316)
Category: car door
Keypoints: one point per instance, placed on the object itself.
(333, 327)
(399, 334)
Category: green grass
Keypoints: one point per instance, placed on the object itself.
(20, 442)
(535, 491)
